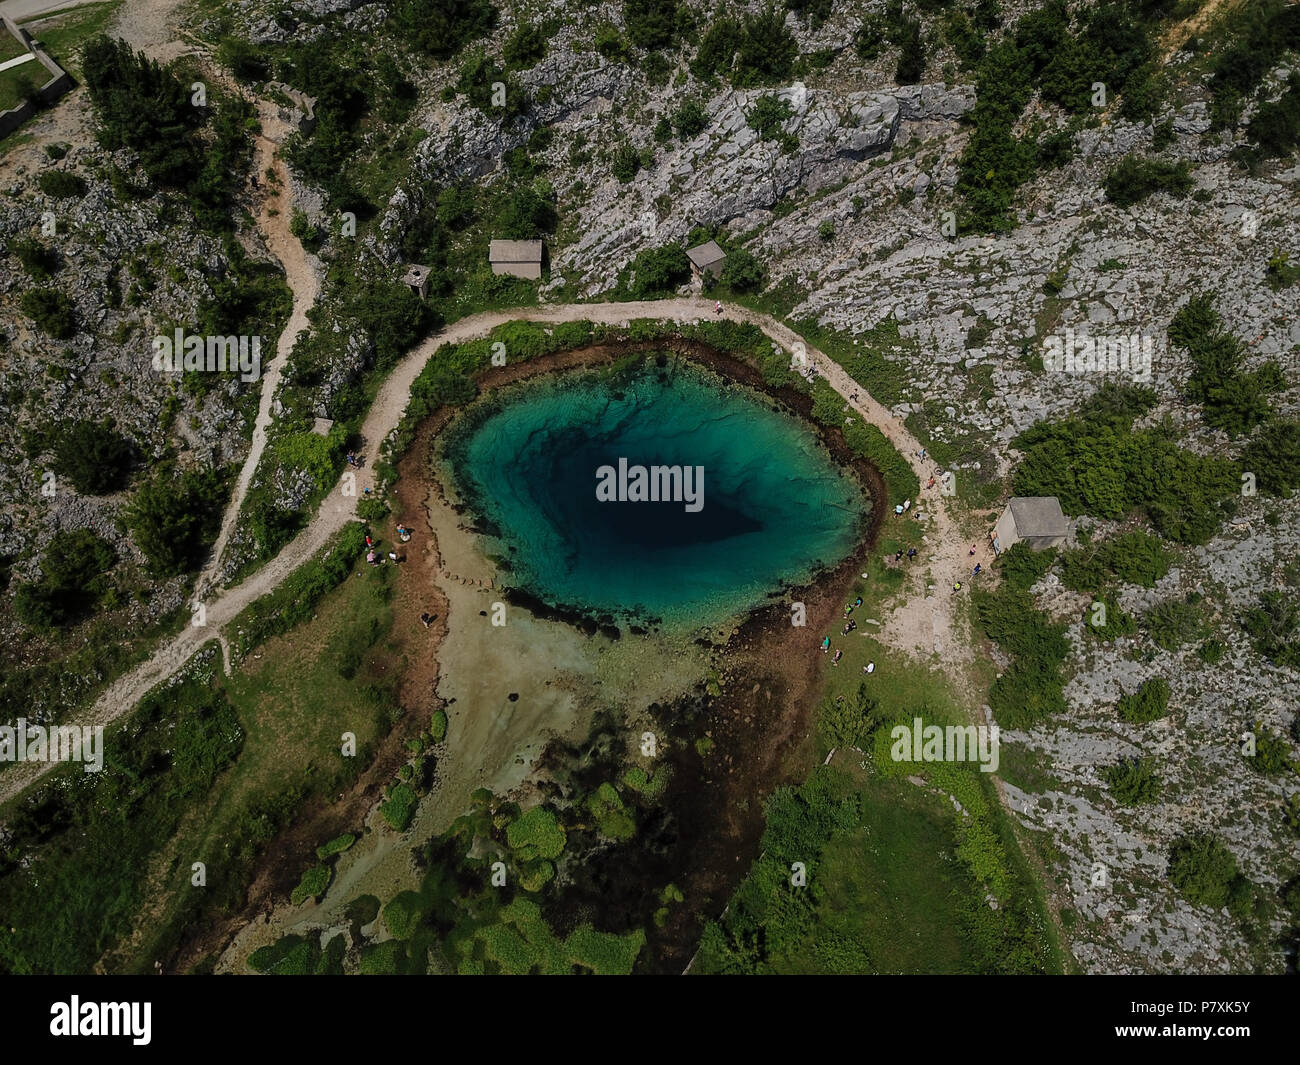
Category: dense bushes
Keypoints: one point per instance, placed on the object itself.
(174, 519)
(1096, 464)
(1233, 400)
(765, 919)
(848, 722)
(525, 47)
(1272, 627)
(89, 882)
(766, 118)
(39, 261)
(61, 184)
(1258, 35)
(1274, 128)
(757, 51)
(657, 271)
(441, 28)
(146, 107)
(1205, 873)
(1173, 624)
(1134, 557)
(51, 310)
(1031, 688)
(1022, 567)
(94, 456)
(1133, 179)
(1111, 43)
(742, 271)
(868, 441)
(1274, 456)
(690, 118)
(527, 212)
(995, 161)
(1133, 781)
(74, 572)
(312, 885)
(651, 23)
(1149, 702)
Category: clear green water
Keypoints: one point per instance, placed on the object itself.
(775, 504)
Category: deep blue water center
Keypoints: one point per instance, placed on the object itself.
(775, 504)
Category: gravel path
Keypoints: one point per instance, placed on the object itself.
(336, 510)
(274, 214)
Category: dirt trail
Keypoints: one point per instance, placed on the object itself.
(147, 26)
(273, 217)
(337, 509)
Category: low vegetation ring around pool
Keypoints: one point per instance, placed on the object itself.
(651, 492)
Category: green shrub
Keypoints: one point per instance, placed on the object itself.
(94, 456)
(742, 271)
(61, 184)
(441, 28)
(1234, 400)
(1173, 624)
(873, 445)
(1149, 702)
(1211, 652)
(911, 59)
(766, 117)
(372, 510)
(525, 47)
(690, 119)
(290, 955)
(51, 310)
(1134, 557)
(335, 846)
(651, 23)
(1280, 273)
(74, 570)
(848, 722)
(1096, 464)
(1272, 753)
(173, 520)
(535, 875)
(613, 819)
(1272, 627)
(537, 834)
(399, 807)
(1203, 870)
(1022, 567)
(626, 162)
(438, 726)
(1273, 456)
(610, 44)
(1133, 179)
(1031, 689)
(39, 261)
(658, 271)
(1133, 781)
(312, 885)
(1117, 621)
(403, 914)
(384, 959)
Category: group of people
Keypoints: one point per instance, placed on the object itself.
(375, 556)
(849, 626)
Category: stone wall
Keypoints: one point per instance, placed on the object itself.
(60, 82)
